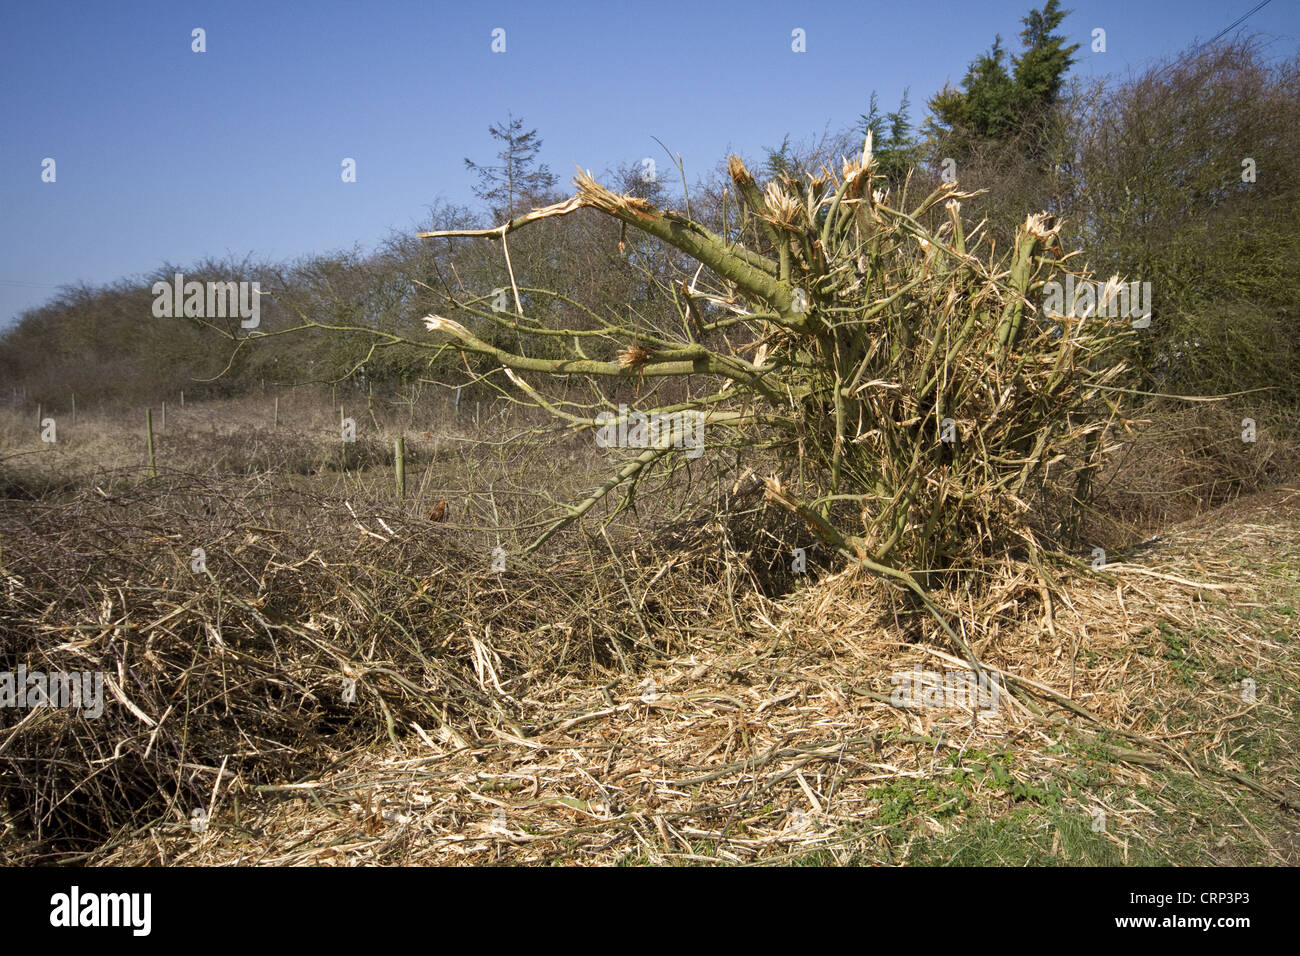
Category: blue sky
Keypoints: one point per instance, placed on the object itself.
(166, 155)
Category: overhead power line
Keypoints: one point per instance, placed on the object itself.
(1236, 23)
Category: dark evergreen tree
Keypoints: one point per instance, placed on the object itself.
(996, 105)
(1040, 70)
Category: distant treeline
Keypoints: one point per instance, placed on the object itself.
(1184, 177)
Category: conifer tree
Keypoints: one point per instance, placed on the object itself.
(518, 178)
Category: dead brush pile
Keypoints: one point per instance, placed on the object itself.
(764, 731)
(1180, 459)
(623, 698)
(233, 676)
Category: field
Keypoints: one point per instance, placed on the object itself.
(355, 677)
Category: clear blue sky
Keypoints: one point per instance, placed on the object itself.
(166, 155)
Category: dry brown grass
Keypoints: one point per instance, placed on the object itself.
(1182, 459)
(510, 717)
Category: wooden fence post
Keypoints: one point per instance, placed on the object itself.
(148, 427)
(399, 447)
